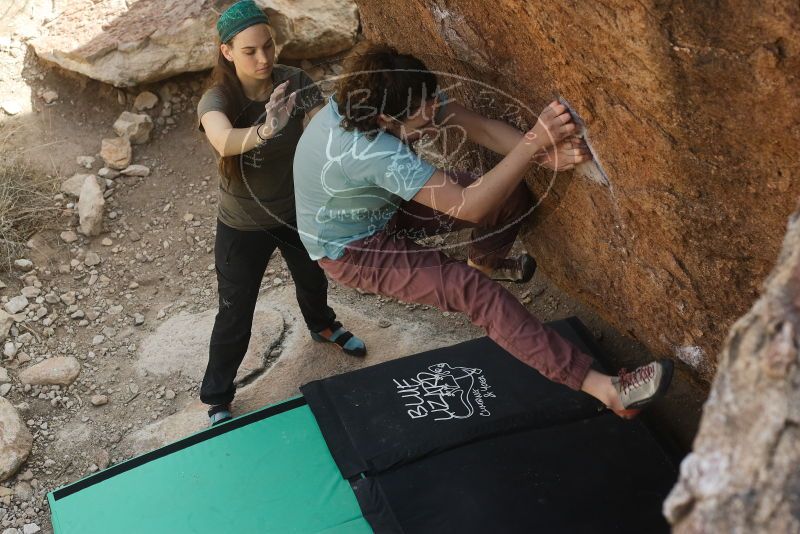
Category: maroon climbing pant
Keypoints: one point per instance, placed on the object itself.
(391, 263)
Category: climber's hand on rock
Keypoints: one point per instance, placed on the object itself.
(564, 155)
(554, 124)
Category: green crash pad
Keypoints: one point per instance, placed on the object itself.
(268, 471)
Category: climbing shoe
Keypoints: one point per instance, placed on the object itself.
(219, 414)
(641, 386)
(336, 333)
(519, 269)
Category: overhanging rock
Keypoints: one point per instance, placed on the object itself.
(693, 111)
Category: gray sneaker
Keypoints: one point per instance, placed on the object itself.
(519, 269)
(642, 386)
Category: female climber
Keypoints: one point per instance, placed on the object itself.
(364, 197)
(253, 114)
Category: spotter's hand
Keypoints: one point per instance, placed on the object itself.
(279, 108)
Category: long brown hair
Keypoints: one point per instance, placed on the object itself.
(377, 79)
(224, 76)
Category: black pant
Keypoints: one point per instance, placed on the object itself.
(241, 259)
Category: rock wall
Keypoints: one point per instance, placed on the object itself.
(694, 112)
(743, 474)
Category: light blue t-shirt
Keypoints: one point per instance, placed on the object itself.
(347, 186)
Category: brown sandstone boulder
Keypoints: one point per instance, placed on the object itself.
(693, 112)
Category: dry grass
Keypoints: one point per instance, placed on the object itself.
(26, 203)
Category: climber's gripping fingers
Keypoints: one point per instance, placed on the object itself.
(554, 124)
(580, 152)
(564, 155)
(575, 150)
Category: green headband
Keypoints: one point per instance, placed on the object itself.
(239, 16)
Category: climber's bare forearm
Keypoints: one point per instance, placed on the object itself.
(497, 136)
(474, 202)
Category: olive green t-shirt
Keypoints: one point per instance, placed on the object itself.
(264, 198)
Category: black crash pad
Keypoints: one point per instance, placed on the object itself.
(469, 439)
(392, 413)
(599, 475)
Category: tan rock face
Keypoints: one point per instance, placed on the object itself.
(692, 120)
(155, 39)
(151, 40)
(180, 345)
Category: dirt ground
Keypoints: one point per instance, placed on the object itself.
(159, 263)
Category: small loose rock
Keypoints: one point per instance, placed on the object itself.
(23, 264)
(49, 96)
(16, 304)
(85, 161)
(69, 236)
(60, 370)
(136, 170)
(99, 400)
(92, 259)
